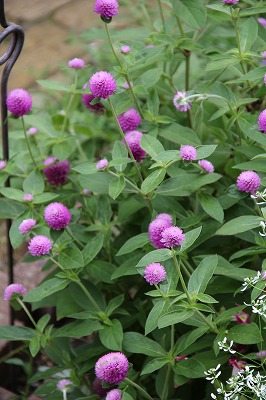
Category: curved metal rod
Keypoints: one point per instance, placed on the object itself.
(9, 57)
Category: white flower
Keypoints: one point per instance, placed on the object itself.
(225, 346)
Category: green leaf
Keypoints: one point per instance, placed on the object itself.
(228, 314)
(149, 78)
(101, 271)
(202, 275)
(155, 313)
(251, 131)
(189, 338)
(43, 321)
(254, 165)
(153, 102)
(44, 198)
(86, 168)
(63, 150)
(174, 317)
(211, 206)
(154, 365)
(15, 236)
(98, 182)
(46, 289)
(126, 396)
(245, 334)
(12, 193)
(10, 209)
(192, 12)
(153, 180)
(248, 32)
(77, 329)
(134, 243)
(180, 134)
(138, 344)
(71, 258)
(92, 248)
(114, 304)
(221, 62)
(34, 346)
(116, 186)
(52, 85)
(190, 238)
(16, 333)
(34, 183)
(239, 224)
(151, 145)
(155, 256)
(205, 151)
(119, 152)
(112, 336)
(42, 122)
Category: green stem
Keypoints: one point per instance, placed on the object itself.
(187, 57)
(68, 231)
(69, 104)
(180, 26)
(57, 263)
(161, 13)
(124, 140)
(186, 263)
(125, 74)
(166, 382)
(127, 180)
(26, 311)
(234, 20)
(139, 388)
(13, 352)
(64, 395)
(184, 286)
(27, 141)
(87, 293)
(161, 293)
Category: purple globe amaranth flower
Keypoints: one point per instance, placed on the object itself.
(26, 225)
(2, 164)
(129, 120)
(262, 21)
(262, 121)
(49, 160)
(181, 103)
(125, 49)
(86, 192)
(261, 354)
(172, 237)
(230, 1)
(206, 165)
(57, 216)
(106, 8)
(57, 174)
(264, 79)
(102, 164)
(188, 153)
(166, 217)
(77, 63)
(63, 384)
(40, 245)
(156, 227)
(133, 140)
(19, 102)
(12, 290)
(114, 394)
(112, 367)
(32, 131)
(28, 197)
(97, 108)
(248, 181)
(102, 84)
(154, 273)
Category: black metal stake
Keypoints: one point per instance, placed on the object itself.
(9, 58)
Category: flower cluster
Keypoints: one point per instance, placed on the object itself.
(133, 140)
(248, 181)
(188, 153)
(112, 367)
(57, 216)
(106, 8)
(57, 174)
(129, 120)
(154, 273)
(19, 102)
(252, 281)
(163, 235)
(259, 306)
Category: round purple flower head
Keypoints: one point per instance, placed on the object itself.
(87, 99)
(19, 102)
(63, 384)
(112, 368)
(28, 197)
(40, 245)
(206, 165)
(32, 131)
(57, 216)
(133, 141)
(248, 181)
(114, 394)
(102, 164)
(2, 164)
(98, 389)
(26, 225)
(188, 153)
(77, 63)
(172, 237)
(262, 121)
(56, 174)
(166, 217)
(154, 273)
(102, 84)
(230, 1)
(129, 120)
(181, 103)
(156, 227)
(106, 8)
(125, 49)
(14, 288)
(262, 21)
